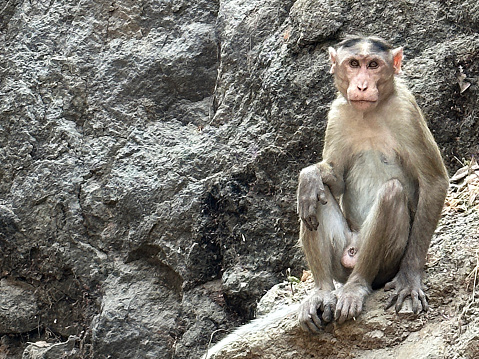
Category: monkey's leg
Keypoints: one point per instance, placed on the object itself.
(384, 236)
(323, 249)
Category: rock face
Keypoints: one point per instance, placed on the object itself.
(149, 152)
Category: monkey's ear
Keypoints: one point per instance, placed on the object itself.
(397, 59)
(332, 58)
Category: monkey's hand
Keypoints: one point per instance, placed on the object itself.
(310, 191)
(316, 311)
(407, 285)
(351, 298)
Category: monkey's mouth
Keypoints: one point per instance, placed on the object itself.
(363, 104)
(363, 101)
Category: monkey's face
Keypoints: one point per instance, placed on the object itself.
(361, 73)
(365, 77)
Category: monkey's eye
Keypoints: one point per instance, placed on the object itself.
(354, 63)
(373, 65)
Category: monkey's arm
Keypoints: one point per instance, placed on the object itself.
(433, 184)
(311, 191)
(322, 224)
(332, 177)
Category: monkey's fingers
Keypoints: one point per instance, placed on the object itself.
(322, 197)
(342, 316)
(328, 313)
(391, 300)
(342, 310)
(309, 326)
(400, 300)
(337, 313)
(312, 327)
(350, 308)
(314, 324)
(416, 303)
(308, 317)
(355, 309)
(419, 301)
(311, 223)
(307, 224)
(425, 305)
(304, 326)
(314, 222)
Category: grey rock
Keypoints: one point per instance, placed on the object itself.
(44, 350)
(19, 312)
(242, 287)
(314, 22)
(134, 318)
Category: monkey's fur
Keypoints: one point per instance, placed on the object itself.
(381, 184)
(254, 326)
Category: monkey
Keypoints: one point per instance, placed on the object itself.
(369, 208)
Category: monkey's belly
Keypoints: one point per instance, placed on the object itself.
(363, 180)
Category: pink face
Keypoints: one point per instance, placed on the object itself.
(363, 76)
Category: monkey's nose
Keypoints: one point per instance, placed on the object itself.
(363, 86)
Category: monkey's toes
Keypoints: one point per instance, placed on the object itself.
(348, 308)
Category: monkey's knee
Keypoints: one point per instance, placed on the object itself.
(394, 186)
(393, 196)
(392, 189)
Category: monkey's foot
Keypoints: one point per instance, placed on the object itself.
(316, 311)
(405, 286)
(350, 301)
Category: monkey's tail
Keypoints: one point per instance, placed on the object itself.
(252, 327)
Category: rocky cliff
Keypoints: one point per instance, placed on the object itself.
(149, 152)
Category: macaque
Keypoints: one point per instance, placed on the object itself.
(368, 210)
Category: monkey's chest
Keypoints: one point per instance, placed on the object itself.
(368, 171)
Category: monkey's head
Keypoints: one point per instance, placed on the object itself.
(364, 69)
